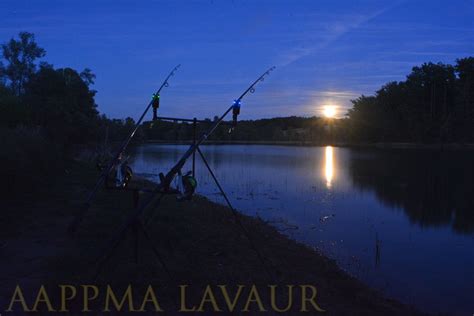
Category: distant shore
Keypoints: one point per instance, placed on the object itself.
(335, 144)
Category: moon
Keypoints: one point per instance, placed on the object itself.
(329, 111)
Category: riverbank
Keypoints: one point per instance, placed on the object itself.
(199, 242)
(336, 144)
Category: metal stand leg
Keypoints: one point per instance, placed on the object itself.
(194, 143)
(109, 250)
(236, 215)
(137, 225)
(155, 251)
(151, 216)
(215, 180)
(135, 241)
(136, 198)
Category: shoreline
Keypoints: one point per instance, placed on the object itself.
(450, 146)
(199, 240)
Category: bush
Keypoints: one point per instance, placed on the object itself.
(28, 160)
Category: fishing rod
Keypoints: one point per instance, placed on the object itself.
(106, 171)
(164, 186)
(235, 107)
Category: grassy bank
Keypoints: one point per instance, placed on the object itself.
(199, 241)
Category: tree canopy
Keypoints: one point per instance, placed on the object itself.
(20, 56)
(434, 104)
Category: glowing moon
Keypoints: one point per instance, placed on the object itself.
(329, 111)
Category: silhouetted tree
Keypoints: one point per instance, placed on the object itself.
(465, 72)
(61, 101)
(20, 56)
(431, 96)
(423, 108)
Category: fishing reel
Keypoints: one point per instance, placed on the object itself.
(120, 175)
(155, 102)
(126, 175)
(235, 114)
(187, 185)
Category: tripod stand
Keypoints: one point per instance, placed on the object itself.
(164, 187)
(137, 224)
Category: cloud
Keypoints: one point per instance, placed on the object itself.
(333, 31)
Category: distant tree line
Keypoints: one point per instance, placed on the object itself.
(46, 112)
(308, 129)
(435, 104)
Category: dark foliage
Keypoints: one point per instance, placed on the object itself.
(294, 129)
(61, 101)
(28, 159)
(45, 114)
(20, 55)
(434, 104)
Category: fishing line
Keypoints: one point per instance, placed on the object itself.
(165, 181)
(86, 206)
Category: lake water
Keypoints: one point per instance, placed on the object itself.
(402, 221)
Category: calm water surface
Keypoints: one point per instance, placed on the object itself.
(400, 220)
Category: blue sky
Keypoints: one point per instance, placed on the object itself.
(326, 52)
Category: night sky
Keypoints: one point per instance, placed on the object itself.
(326, 52)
